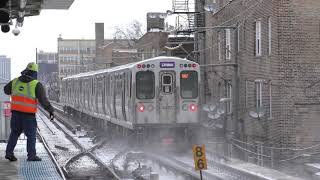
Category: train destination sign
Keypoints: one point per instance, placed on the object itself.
(167, 64)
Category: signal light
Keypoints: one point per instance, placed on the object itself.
(181, 65)
(194, 65)
(143, 65)
(184, 107)
(193, 107)
(139, 66)
(150, 108)
(152, 65)
(141, 108)
(189, 65)
(185, 65)
(148, 65)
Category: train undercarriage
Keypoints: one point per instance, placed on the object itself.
(174, 137)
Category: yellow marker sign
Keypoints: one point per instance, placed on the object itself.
(199, 155)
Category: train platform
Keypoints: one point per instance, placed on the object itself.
(26, 170)
(257, 171)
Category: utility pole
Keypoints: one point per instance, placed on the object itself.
(36, 55)
(235, 86)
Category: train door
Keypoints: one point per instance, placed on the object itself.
(112, 95)
(167, 97)
(107, 94)
(123, 95)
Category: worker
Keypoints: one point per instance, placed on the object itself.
(26, 91)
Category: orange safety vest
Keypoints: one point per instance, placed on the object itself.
(23, 96)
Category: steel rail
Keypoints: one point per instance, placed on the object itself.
(83, 150)
(55, 162)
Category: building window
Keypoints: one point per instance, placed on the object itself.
(153, 53)
(228, 44)
(258, 38)
(258, 87)
(269, 35)
(270, 100)
(219, 46)
(246, 94)
(229, 96)
(238, 31)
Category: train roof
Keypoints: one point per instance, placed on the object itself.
(126, 66)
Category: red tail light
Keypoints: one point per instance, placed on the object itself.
(141, 108)
(139, 66)
(193, 107)
(194, 65)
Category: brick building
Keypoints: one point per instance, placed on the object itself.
(152, 44)
(75, 56)
(278, 66)
(116, 52)
(157, 41)
(123, 56)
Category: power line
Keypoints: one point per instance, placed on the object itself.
(269, 147)
(249, 150)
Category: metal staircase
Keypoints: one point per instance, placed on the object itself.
(185, 21)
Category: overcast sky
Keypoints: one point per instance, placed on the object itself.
(78, 22)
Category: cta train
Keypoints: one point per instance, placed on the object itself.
(157, 97)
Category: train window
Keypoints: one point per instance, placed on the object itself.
(92, 86)
(130, 83)
(189, 84)
(167, 79)
(145, 85)
(166, 83)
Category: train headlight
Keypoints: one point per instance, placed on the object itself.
(185, 107)
(150, 108)
(193, 107)
(141, 108)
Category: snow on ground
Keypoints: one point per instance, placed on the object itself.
(83, 162)
(56, 140)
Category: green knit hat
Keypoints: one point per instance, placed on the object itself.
(33, 67)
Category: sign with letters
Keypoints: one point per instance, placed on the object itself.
(7, 108)
(167, 64)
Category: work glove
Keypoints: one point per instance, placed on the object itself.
(51, 116)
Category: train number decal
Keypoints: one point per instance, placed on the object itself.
(199, 155)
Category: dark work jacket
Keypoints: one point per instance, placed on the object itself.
(40, 95)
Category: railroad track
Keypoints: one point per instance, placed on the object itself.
(102, 170)
(181, 165)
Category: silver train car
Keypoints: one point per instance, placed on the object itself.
(158, 96)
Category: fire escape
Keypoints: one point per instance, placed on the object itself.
(188, 15)
(185, 19)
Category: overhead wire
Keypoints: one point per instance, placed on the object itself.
(270, 147)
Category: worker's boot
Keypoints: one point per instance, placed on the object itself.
(11, 157)
(36, 158)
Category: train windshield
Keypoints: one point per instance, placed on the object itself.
(189, 84)
(145, 85)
